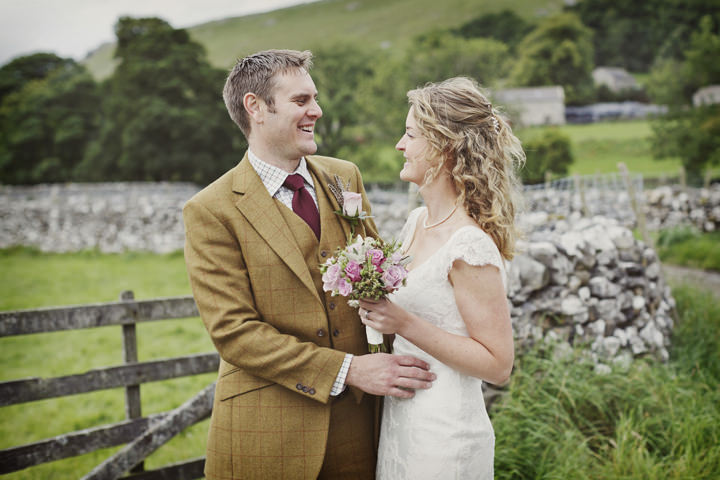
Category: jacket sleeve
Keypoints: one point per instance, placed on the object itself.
(224, 297)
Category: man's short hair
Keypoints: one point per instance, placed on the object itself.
(256, 73)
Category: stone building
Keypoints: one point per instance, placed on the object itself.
(533, 106)
(707, 95)
(616, 79)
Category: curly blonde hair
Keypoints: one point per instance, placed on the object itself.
(477, 147)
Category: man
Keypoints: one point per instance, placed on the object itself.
(289, 401)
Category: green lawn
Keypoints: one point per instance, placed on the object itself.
(31, 279)
(598, 147)
(688, 247)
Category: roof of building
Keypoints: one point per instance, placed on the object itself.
(530, 94)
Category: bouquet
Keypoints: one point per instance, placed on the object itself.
(366, 268)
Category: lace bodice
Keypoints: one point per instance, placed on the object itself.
(443, 432)
(428, 292)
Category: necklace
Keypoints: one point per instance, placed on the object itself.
(428, 227)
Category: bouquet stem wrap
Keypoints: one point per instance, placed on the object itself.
(375, 340)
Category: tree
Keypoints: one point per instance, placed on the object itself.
(163, 117)
(549, 151)
(383, 104)
(690, 132)
(558, 52)
(634, 35)
(505, 26)
(47, 124)
(18, 72)
(703, 48)
(339, 71)
(439, 55)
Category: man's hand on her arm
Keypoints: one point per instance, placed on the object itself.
(385, 374)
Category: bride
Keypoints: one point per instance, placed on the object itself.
(453, 312)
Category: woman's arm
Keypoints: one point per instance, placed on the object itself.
(488, 352)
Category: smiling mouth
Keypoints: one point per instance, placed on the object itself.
(307, 128)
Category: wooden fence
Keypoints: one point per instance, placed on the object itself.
(142, 435)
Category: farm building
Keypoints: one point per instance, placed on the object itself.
(533, 105)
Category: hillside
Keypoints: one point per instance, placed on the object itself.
(377, 23)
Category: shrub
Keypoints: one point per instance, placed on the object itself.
(549, 151)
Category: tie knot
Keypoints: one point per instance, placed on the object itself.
(294, 182)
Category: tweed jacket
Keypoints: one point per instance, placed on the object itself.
(281, 339)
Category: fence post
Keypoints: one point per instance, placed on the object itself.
(639, 211)
(548, 176)
(683, 178)
(581, 191)
(133, 406)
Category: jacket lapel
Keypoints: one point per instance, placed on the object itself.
(261, 211)
(326, 178)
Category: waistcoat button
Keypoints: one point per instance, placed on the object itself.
(321, 333)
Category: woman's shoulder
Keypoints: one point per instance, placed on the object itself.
(470, 243)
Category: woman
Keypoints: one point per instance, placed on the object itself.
(453, 312)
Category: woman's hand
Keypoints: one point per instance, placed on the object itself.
(384, 316)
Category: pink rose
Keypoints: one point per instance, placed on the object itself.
(352, 203)
(344, 288)
(352, 269)
(393, 277)
(376, 256)
(331, 277)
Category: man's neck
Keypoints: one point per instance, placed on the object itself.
(267, 156)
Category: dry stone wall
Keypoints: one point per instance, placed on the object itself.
(577, 281)
(588, 281)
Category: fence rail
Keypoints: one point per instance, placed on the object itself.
(142, 435)
(32, 389)
(126, 312)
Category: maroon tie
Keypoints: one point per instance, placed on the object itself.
(302, 202)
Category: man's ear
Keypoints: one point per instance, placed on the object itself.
(255, 107)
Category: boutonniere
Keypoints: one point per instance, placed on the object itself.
(350, 203)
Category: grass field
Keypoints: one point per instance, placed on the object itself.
(598, 147)
(32, 279)
(373, 23)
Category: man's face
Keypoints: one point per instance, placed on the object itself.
(287, 130)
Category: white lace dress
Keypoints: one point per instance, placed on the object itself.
(443, 432)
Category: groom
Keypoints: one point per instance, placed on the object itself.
(290, 399)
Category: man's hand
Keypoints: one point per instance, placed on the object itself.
(385, 374)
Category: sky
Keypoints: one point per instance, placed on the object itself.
(73, 28)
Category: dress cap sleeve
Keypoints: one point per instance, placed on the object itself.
(475, 247)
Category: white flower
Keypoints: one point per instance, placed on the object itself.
(352, 203)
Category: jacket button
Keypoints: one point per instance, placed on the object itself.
(305, 389)
(323, 253)
(299, 386)
(321, 333)
(336, 332)
(331, 305)
(311, 391)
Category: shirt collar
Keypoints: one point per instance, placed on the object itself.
(273, 177)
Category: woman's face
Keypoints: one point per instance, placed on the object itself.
(416, 151)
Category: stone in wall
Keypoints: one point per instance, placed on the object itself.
(604, 291)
